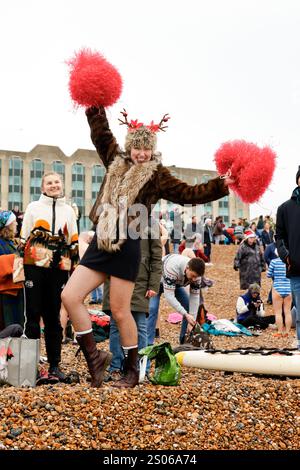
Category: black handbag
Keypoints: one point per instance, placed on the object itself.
(198, 338)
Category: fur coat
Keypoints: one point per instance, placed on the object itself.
(142, 184)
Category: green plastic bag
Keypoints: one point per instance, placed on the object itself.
(167, 370)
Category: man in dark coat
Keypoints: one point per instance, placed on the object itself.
(208, 238)
(288, 245)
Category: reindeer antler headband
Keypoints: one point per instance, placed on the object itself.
(140, 135)
(135, 125)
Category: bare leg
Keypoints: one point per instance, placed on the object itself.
(120, 298)
(277, 307)
(80, 284)
(63, 320)
(287, 303)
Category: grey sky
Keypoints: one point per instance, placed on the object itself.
(223, 70)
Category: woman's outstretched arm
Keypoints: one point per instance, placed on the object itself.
(175, 190)
(101, 135)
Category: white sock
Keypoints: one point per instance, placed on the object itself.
(80, 333)
(127, 348)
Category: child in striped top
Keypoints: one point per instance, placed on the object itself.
(281, 295)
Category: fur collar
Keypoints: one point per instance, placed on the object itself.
(124, 181)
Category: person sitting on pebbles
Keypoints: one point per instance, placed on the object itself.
(250, 309)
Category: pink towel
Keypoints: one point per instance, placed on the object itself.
(211, 317)
(174, 318)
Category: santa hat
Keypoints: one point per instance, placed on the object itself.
(249, 234)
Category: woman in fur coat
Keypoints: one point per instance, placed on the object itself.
(133, 177)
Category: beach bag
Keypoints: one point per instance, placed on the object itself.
(201, 315)
(166, 370)
(19, 358)
(198, 338)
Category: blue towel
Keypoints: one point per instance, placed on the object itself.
(210, 329)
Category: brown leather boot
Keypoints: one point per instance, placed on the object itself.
(131, 374)
(97, 361)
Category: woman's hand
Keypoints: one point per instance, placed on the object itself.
(228, 178)
(191, 321)
(93, 110)
(150, 293)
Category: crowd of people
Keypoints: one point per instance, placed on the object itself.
(47, 267)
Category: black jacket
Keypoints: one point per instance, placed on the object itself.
(207, 236)
(288, 232)
(267, 237)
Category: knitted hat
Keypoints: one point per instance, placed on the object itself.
(6, 218)
(249, 234)
(140, 135)
(254, 288)
(298, 175)
(140, 138)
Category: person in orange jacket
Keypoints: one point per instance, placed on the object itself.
(11, 292)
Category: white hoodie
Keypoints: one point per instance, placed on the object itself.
(54, 217)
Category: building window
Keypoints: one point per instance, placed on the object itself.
(223, 209)
(224, 202)
(15, 183)
(59, 168)
(205, 178)
(78, 189)
(36, 173)
(208, 209)
(98, 173)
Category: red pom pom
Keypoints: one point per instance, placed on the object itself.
(251, 167)
(93, 80)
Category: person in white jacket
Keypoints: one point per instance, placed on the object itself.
(250, 309)
(178, 271)
(50, 238)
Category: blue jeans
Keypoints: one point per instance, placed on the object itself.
(114, 339)
(295, 287)
(97, 295)
(176, 247)
(182, 297)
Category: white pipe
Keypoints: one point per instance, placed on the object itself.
(275, 364)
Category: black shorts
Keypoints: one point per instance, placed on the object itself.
(123, 264)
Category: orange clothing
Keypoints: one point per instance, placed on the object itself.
(7, 286)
